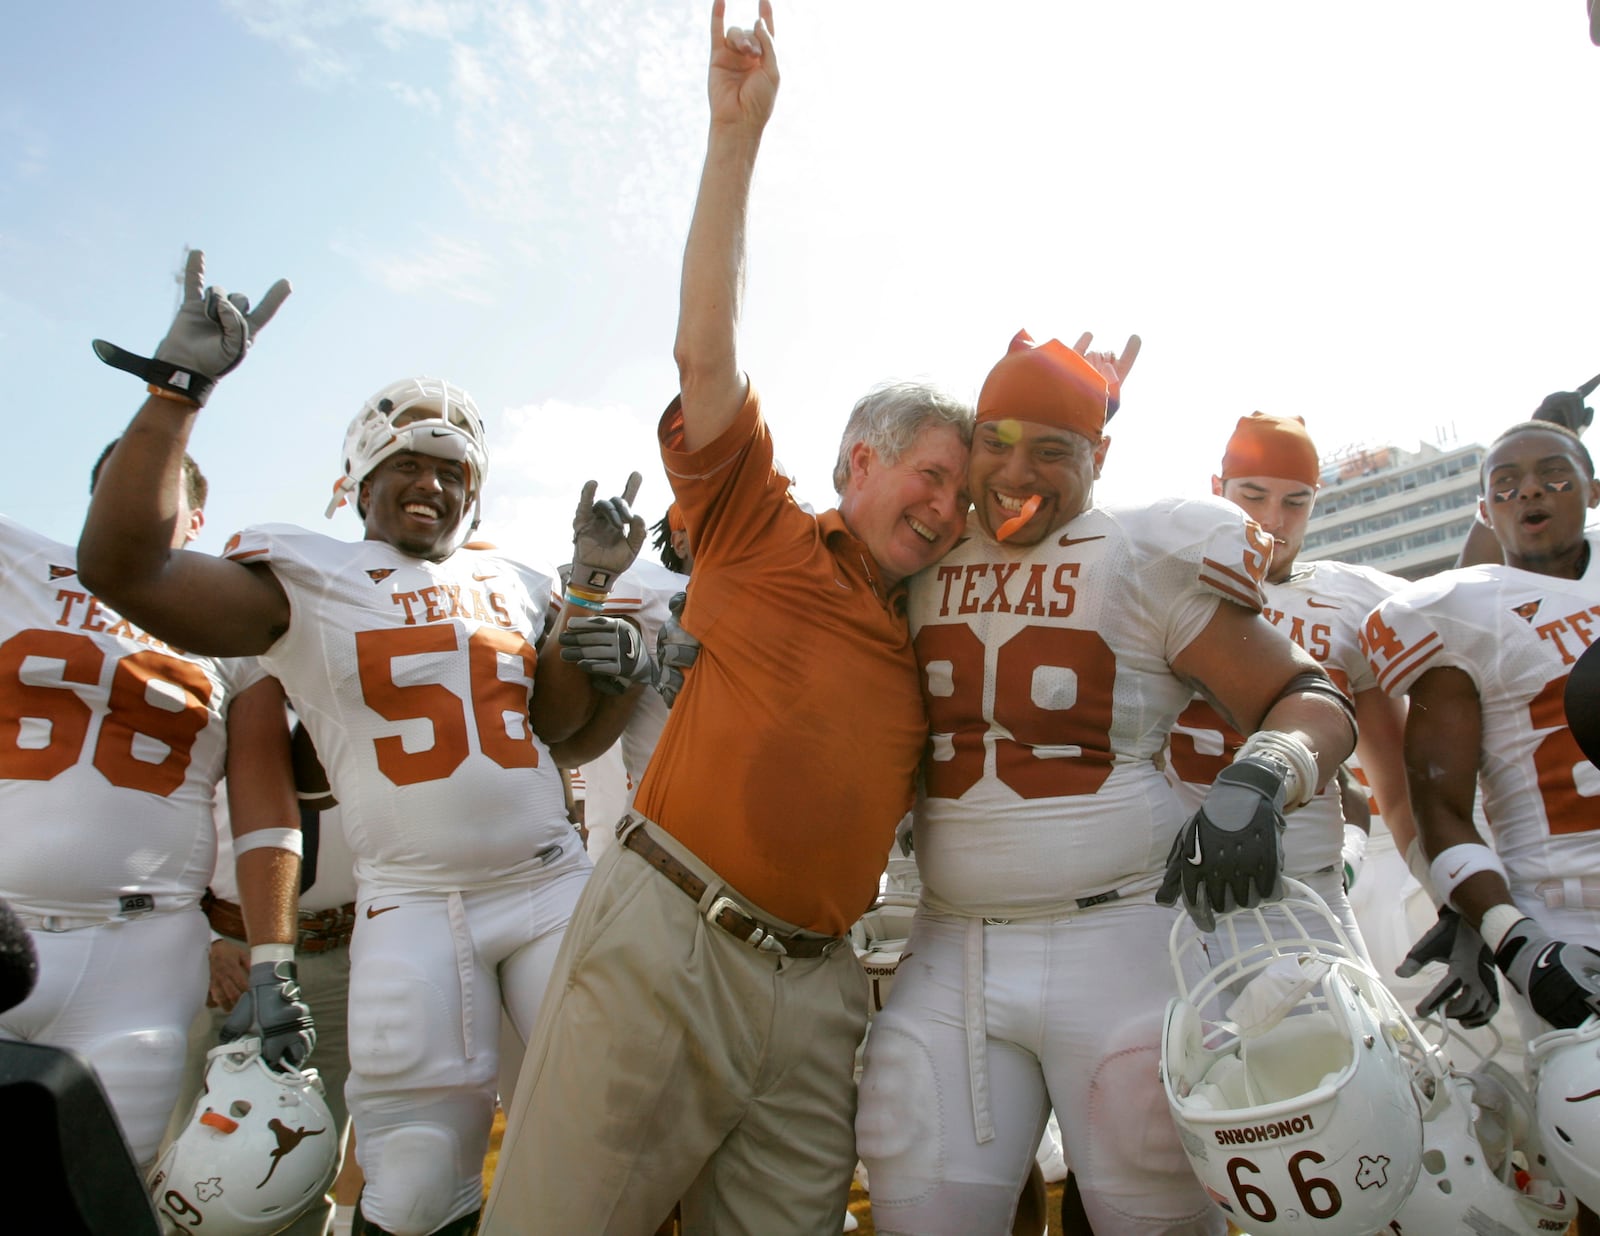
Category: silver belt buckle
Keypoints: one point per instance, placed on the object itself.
(759, 939)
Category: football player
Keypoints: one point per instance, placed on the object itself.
(1058, 644)
(1271, 472)
(1484, 653)
(110, 755)
(411, 659)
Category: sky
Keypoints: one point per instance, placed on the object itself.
(1379, 216)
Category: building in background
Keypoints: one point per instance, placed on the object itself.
(1405, 512)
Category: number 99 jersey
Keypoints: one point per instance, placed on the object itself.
(1046, 672)
(1517, 634)
(414, 678)
(111, 745)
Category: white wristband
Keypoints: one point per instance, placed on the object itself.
(269, 839)
(1300, 785)
(1497, 923)
(1458, 864)
(271, 952)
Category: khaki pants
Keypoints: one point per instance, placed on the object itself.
(672, 1061)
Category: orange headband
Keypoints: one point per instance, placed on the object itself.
(1275, 446)
(1048, 383)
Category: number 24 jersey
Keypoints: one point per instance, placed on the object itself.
(1517, 634)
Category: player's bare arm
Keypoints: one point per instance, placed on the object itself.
(1244, 663)
(262, 807)
(194, 601)
(1442, 737)
(742, 86)
(1382, 722)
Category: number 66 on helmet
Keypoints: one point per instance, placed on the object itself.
(259, 1148)
(1288, 1067)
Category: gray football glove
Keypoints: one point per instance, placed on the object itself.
(676, 651)
(1560, 979)
(273, 1011)
(1469, 984)
(1229, 855)
(610, 649)
(606, 536)
(208, 338)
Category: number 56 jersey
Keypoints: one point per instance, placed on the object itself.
(111, 746)
(1517, 635)
(1046, 672)
(414, 679)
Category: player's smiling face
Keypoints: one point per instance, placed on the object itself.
(909, 512)
(1282, 508)
(1536, 489)
(1015, 461)
(415, 503)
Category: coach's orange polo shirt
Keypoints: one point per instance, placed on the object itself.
(792, 750)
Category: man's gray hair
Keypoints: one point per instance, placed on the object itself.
(888, 418)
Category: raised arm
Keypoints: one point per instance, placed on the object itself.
(128, 553)
(743, 84)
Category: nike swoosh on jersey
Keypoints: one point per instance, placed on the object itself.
(374, 911)
(1195, 859)
(1316, 604)
(482, 578)
(1065, 541)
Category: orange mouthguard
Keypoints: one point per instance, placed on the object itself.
(1011, 526)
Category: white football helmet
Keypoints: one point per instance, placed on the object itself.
(425, 415)
(259, 1148)
(1287, 1068)
(879, 938)
(1483, 1161)
(1566, 1068)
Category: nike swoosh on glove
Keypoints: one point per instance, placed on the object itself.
(1229, 855)
(1469, 984)
(1560, 979)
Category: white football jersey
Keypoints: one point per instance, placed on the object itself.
(111, 744)
(1321, 607)
(1050, 695)
(1517, 634)
(642, 593)
(414, 678)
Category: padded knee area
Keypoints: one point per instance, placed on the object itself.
(899, 1114)
(415, 1184)
(1135, 1177)
(142, 1073)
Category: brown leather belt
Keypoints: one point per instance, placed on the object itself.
(725, 912)
(321, 931)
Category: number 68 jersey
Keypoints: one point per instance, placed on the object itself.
(111, 746)
(414, 678)
(1046, 673)
(1517, 634)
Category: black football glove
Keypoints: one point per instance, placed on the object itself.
(1568, 407)
(1469, 984)
(208, 338)
(676, 651)
(272, 1010)
(1560, 979)
(609, 649)
(1229, 855)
